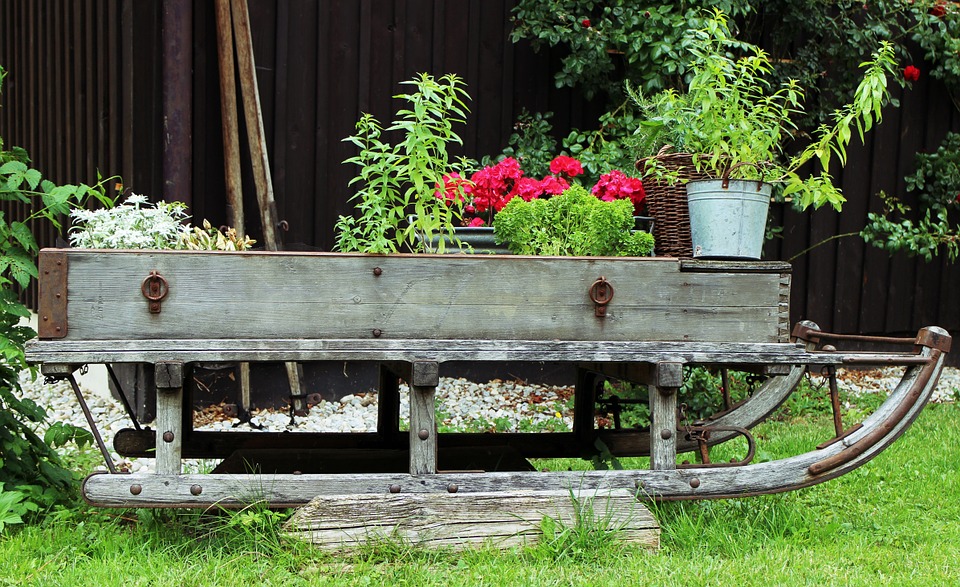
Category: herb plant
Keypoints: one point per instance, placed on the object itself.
(731, 120)
(396, 204)
(574, 223)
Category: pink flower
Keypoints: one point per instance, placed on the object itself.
(531, 189)
(586, 23)
(911, 73)
(616, 185)
(495, 185)
(568, 166)
(477, 221)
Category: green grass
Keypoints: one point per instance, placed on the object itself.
(895, 521)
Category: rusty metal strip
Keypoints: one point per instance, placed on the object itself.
(877, 434)
(107, 459)
(837, 439)
(52, 318)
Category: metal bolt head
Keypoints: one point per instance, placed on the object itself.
(452, 488)
(695, 482)
(394, 489)
(136, 489)
(196, 490)
(666, 434)
(377, 271)
(423, 434)
(377, 332)
(168, 436)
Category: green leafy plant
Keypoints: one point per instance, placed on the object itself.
(734, 124)
(396, 204)
(607, 41)
(937, 180)
(574, 223)
(32, 477)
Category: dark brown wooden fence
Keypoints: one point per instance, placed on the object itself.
(88, 90)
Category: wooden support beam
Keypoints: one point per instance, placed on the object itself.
(423, 424)
(169, 381)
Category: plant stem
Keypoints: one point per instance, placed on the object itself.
(824, 241)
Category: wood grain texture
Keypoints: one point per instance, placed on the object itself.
(317, 295)
(501, 519)
(409, 350)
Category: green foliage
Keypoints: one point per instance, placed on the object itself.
(937, 180)
(32, 477)
(608, 41)
(574, 223)
(732, 121)
(592, 534)
(399, 181)
(614, 144)
(531, 143)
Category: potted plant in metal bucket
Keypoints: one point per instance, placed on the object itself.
(735, 125)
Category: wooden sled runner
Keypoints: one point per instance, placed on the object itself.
(408, 315)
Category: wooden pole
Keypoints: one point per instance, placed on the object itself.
(228, 109)
(254, 119)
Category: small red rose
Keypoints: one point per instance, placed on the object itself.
(938, 10)
(586, 23)
(911, 73)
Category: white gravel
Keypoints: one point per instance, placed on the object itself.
(503, 404)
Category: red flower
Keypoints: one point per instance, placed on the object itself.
(568, 166)
(586, 23)
(938, 10)
(453, 189)
(616, 185)
(495, 185)
(911, 73)
(477, 221)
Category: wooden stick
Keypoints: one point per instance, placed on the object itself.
(228, 109)
(254, 119)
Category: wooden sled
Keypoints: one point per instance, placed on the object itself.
(640, 319)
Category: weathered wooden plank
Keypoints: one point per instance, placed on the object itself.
(501, 519)
(169, 378)
(149, 351)
(453, 296)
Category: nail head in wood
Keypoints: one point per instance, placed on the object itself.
(695, 482)
(168, 436)
(196, 490)
(423, 434)
(666, 434)
(394, 489)
(136, 489)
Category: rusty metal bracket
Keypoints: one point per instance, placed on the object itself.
(53, 294)
(701, 434)
(601, 293)
(154, 287)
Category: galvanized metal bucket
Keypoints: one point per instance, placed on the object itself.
(728, 217)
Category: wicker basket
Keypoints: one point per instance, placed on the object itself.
(667, 203)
